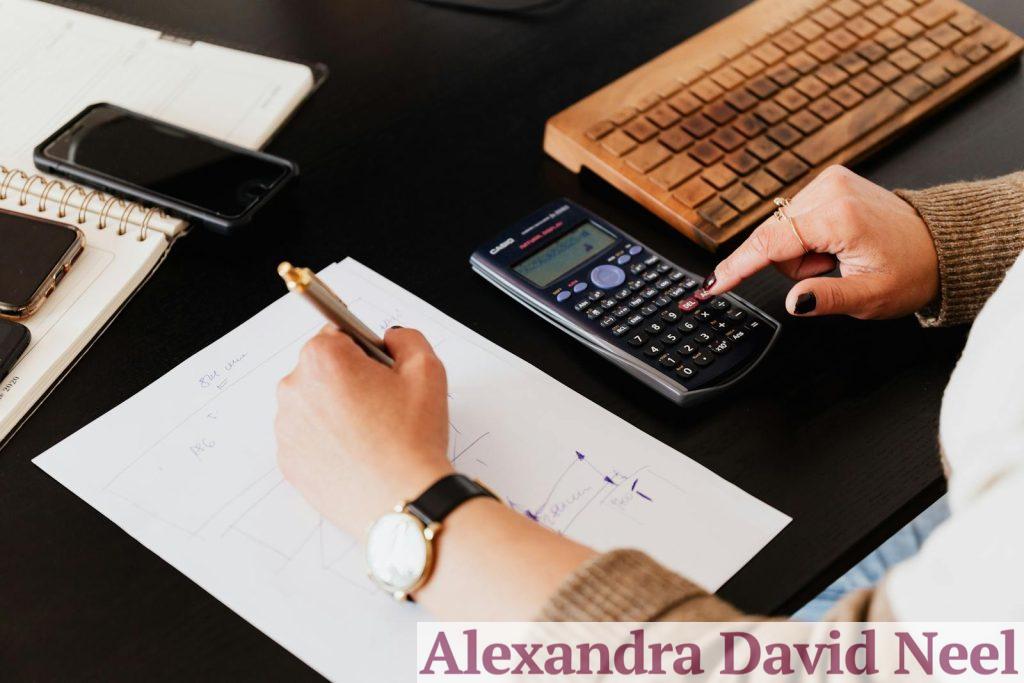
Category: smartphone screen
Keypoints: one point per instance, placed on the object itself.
(165, 160)
(29, 251)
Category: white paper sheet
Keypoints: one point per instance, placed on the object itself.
(187, 467)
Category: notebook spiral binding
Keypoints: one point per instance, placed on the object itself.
(54, 188)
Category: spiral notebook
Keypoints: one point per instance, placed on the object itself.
(57, 62)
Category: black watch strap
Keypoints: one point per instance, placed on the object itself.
(446, 494)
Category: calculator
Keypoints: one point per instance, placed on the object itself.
(626, 302)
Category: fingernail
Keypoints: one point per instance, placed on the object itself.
(709, 282)
(805, 303)
(396, 327)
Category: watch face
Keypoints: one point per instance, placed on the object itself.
(397, 552)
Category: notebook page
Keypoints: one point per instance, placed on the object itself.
(187, 467)
(58, 61)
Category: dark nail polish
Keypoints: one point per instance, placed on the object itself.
(805, 303)
(709, 281)
(396, 327)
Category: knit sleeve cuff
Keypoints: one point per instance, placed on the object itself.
(627, 585)
(978, 229)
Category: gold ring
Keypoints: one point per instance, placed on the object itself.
(781, 214)
(26, 186)
(144, 232)
(105, 212)
(43, 198)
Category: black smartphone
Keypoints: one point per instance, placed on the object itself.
(14, 338)
(35, 255)
(191, 176)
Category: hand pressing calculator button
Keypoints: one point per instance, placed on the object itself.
(626, 302)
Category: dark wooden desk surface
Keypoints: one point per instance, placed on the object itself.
(424, 141)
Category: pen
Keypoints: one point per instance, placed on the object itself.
(305, 282)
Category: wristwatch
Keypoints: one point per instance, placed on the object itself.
(400, 545)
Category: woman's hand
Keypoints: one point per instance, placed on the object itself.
(884, 251)
(355, 437)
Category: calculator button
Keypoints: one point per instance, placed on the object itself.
(637, 268)
(607, 321)
(685, 371)
(609, 303)
(675, 292)
(687, 327)
(623, 294)
(687, 348)
(635, 302)
(689, 283)
(579, 287)
(676, 275)
(654, 327)
(620, 330)
(595, 313)
(634, 250)
(649, 293)
(649, 309)
(621, 311)
(721, 346)
(650, 276)
(754, 325)
(687, 305)
(653, 349)
(607, 276)
(637, 339)
(663, 283)
(651, 260)
(634, 319)
(670, 316)
(669, 360)
(703, 337)
(736, 335)
(635, 285)
(720, 305)
(582, 305)
(664, 268)
(736, 314)
(703, 295)
(702, 359)
(670, 338)
(623, 260)
(719, 325)
(595, 295)
(563, 295)
(703, 315)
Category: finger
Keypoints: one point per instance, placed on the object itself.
(808, 265)
(859, 296)
(771, 242)
(409, 348)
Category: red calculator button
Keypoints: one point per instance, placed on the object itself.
(688, 305)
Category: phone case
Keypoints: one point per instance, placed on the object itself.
(20, 311)
(111, 185)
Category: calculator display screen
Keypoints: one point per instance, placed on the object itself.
(561, 256)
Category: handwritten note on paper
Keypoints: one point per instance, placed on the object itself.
(192, 476)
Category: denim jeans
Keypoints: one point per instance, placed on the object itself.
(866, 573)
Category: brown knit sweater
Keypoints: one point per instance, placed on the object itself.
(978, 230)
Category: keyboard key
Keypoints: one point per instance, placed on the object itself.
(811, 86)
(674, 171)
(653, 349)
(749, 125)
(687, 348)
(826, 108)
(702, 359)
(720, 347)
(694, 192)
(599, 130)
(911, 87)
(654, 327)
(670, 337)
(846, 96)
(749, 65)
(740, 197)
(828, 18)
(848, 8)
(736, 315)
(717, 212)
(808, 29)
(621, 116)
(720, 112)
(889, 39)
(866, 84)
(966, 22)
(923, 48)
(688, 305)
(907, 27)
(905, 60)
(763, 87)
(933, 13)
(741, 162)
(787, 167)
(664, 116)
(762, 183)
(637, 339)
(822, 50)
(594, 313)
(851, 63)
(791, 99)
(719, 176)
(618, 143)
(885, 72)
(832, 75)
(720, 305)
(620, 330)
(685, 371)
(647, 156)
(768, 53)
(640, 129)
(669, 360)
(728, 139)
(719, 325)
(880, 15)
(621, 311)
(861, 27)
(784, 135)
(687, 327)
(698, 125)
(849, 127)
(943, 35)
(783, 75)
(706, 89)
(685, 103)
(763, 148)
(741, 99)
(736, 335)
(705, 152)
(670, 316)
(675, 139)
(703, 295)
(934, 73)
(607, 321)
(727, 77)
(899, 6)
(802, 62)
(841, 39)
(789, 41)
(872, 51)
(648, 102)
(805, 122)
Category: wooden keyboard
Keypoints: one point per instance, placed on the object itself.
(708, 133)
